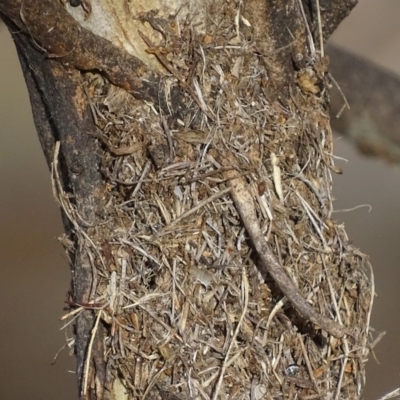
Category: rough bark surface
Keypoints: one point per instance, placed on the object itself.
(191, 156)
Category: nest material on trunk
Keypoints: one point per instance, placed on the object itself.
(176, 278)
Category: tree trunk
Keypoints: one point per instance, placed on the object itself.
(191, 153)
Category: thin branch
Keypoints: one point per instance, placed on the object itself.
(269, 264)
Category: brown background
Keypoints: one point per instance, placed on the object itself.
(34, 275)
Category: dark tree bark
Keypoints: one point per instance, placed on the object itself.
(191, 154)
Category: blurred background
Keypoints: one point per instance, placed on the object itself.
(34, 273)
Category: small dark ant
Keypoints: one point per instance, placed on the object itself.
(76, 3)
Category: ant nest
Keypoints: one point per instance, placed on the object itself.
(178, 281)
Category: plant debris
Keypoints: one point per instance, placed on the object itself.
(177, 279)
